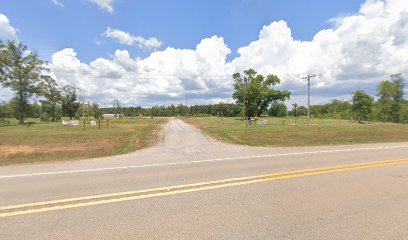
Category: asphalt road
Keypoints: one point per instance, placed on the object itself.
(192, 187)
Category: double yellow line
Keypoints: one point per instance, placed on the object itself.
(54, 205)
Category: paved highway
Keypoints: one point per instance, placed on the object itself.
(192, 187)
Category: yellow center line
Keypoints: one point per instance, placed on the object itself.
(193, 187)
(188, 185)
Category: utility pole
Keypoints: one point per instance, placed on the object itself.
(114, 106)
(308, 96)
(187, 106)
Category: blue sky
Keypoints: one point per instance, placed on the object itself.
(158, 52)
(48, 28)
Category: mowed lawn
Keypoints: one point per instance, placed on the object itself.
(40, 142)
(295, 132)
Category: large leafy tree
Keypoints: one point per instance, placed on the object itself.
(255, 92)
(21, 71)
(70, 103)
(362, 105)
(398, 96)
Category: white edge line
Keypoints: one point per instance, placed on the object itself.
(193, 162)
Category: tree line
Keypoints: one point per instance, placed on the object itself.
(226, 109)
(390, 106)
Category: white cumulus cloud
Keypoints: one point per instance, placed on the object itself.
(357, 52)
(106, 5)
(7, 31)
(163, 77)
(129, 39)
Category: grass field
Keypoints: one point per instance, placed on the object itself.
(295, 132)
(39, 142)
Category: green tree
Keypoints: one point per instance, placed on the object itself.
(35, 110)
(339, 109)
(278, 109)
(51, 104)
(362, 105)
(398, 97)
(222, 108)
(6, 110)
(181, 110)
(255, 92)
(154, 111)
(172, 110)
(95, 110)
(391, 99)
(404, 112)
(295, 109)
(70, 104)
(21, 71)
(301, 111)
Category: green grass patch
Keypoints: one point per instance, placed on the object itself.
(295, 132)
(40, 142)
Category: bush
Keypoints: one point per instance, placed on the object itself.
(4, 122)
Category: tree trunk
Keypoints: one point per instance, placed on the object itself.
(21, 110)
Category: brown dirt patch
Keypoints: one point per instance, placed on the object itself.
(157, 136)
(6, 150)
(10, 150)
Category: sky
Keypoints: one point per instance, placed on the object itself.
(160, 52)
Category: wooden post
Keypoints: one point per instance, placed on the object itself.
(84, 124)
(99, 124)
